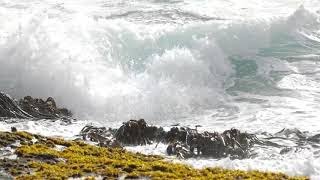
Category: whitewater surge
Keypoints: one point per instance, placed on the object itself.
(221, 64)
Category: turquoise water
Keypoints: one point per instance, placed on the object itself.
(247, 64)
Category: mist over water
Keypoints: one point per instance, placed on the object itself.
(245, 64)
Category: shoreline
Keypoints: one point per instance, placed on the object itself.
(182, 142)
(39, 157)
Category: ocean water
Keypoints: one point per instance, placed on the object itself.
(248, 64)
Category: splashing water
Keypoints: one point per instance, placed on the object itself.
(245, 64)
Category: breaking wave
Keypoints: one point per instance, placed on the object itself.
(115, 69)
(222, 64)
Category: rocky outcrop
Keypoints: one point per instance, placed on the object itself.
(43, 109)
(138, 132)
(182, 141)
(186, 142)
(29, 107)
(9, 108)
(101, 135)
(39, 157)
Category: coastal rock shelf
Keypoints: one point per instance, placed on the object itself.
(183, 142)
(39, 157)
(29, 156)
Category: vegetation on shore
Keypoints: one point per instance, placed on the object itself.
(40, 157)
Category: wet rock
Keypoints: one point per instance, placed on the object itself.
(182, 134)
(315, 138)
(179, 149)
(291, 133)
(29, 107)
(137, 132)
(43, 109)
(132, 132)
(103, 136)
(14, 129)
(183, 142)
(301, 140)
(186, 142)
(286, 150)
(238, 143)
(14, 166)
(7, 139)
(9, 108)
(82, 161)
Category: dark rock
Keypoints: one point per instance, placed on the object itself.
(183, 142)
(286, 150)
(137, 132)
(315, 138)
(29, 107)
(14, 166)
(186, 142)
(43, 109)
(103, 136)
(179, 149)
(14, 129)
(292, 133)
(10, 109)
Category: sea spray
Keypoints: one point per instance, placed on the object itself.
(221, 64)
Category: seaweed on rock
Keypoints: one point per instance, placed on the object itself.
(40, 158)
(182, 141)
(101, 135)
(138, 132)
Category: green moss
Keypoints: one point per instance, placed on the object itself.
(44, 161)
(61, 142)
(24, 135)
(7, 138)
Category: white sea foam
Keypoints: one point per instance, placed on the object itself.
(245, 64)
